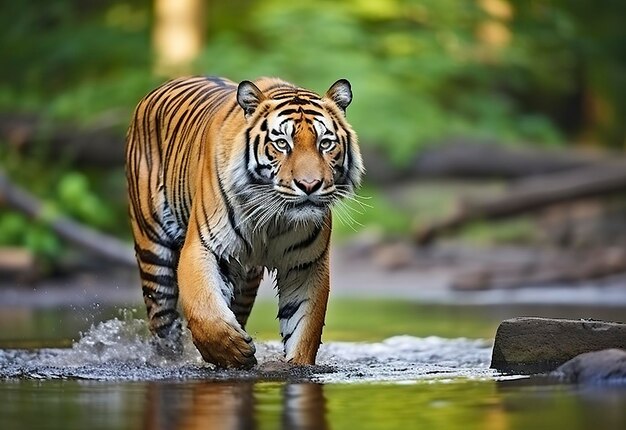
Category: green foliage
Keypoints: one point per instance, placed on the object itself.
(58, 45)
(76, 197)
(416, 67)
(62, 192)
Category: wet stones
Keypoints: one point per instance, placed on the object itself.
(535, 345)
(598, 367)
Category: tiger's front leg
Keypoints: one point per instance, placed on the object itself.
(205, 298)
(303, 294)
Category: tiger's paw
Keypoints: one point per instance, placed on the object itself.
(223, 344)
(168, 342)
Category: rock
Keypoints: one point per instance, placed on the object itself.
(598, 367)
(394, 256)
(534, 345)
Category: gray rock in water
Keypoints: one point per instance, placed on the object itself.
(598, 367)
(535, 345)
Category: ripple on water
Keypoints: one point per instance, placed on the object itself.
(120, 349)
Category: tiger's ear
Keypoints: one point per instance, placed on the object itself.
(249, 96)
(341, 93)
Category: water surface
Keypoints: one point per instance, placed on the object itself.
(109, 377)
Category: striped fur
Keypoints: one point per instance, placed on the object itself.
(225, 180)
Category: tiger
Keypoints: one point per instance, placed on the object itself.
(227, 182)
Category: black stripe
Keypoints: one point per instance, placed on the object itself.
(307, 265)
(288, 112)
(165, 280)
(221, 82)
(232, 109)
(293, 91)
(299, 101)
(288, 92)
(282, 104)
(317, 105)
(348, 154)
(286, 337)
(149, 257)
(224, 268)
(205, 224)
(306, 242)
(258, 172)
(257, 142)
(289, 309)
(231, 212)
(203, 240)
(247, 154)
(157, 295)
(164, 312)
(276, 85)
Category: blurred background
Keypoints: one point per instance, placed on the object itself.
(493, 132)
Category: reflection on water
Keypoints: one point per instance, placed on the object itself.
(234, 406)
(216, 405)
(181, 405)
(304, 407)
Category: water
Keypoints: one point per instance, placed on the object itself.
(119, 349)
(111, 378)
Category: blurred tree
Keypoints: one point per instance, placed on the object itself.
(577, 58)
(178, 35)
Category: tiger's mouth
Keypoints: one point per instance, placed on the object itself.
(312, 201)
(308, 204)
(307, 210)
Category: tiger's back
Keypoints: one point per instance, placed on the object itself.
(165, 141)
(223, 181)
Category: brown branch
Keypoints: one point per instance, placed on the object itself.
(100, 145)
(467, 158)
(87, 238)
(533, 194)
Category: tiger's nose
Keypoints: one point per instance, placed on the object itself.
(309, 186)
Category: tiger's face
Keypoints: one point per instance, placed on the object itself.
(302, 154)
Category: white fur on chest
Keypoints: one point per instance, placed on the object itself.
(270, 247)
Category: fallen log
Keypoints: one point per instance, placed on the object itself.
(469, 158)
(532, 194)
(477, 159)
(100, 146)
(110, 248)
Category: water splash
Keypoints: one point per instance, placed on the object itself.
(407, 358)
(121, 349)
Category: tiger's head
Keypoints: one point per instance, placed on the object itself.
(302, 155)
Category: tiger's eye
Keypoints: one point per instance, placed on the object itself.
(281, 144)
(326, 144)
